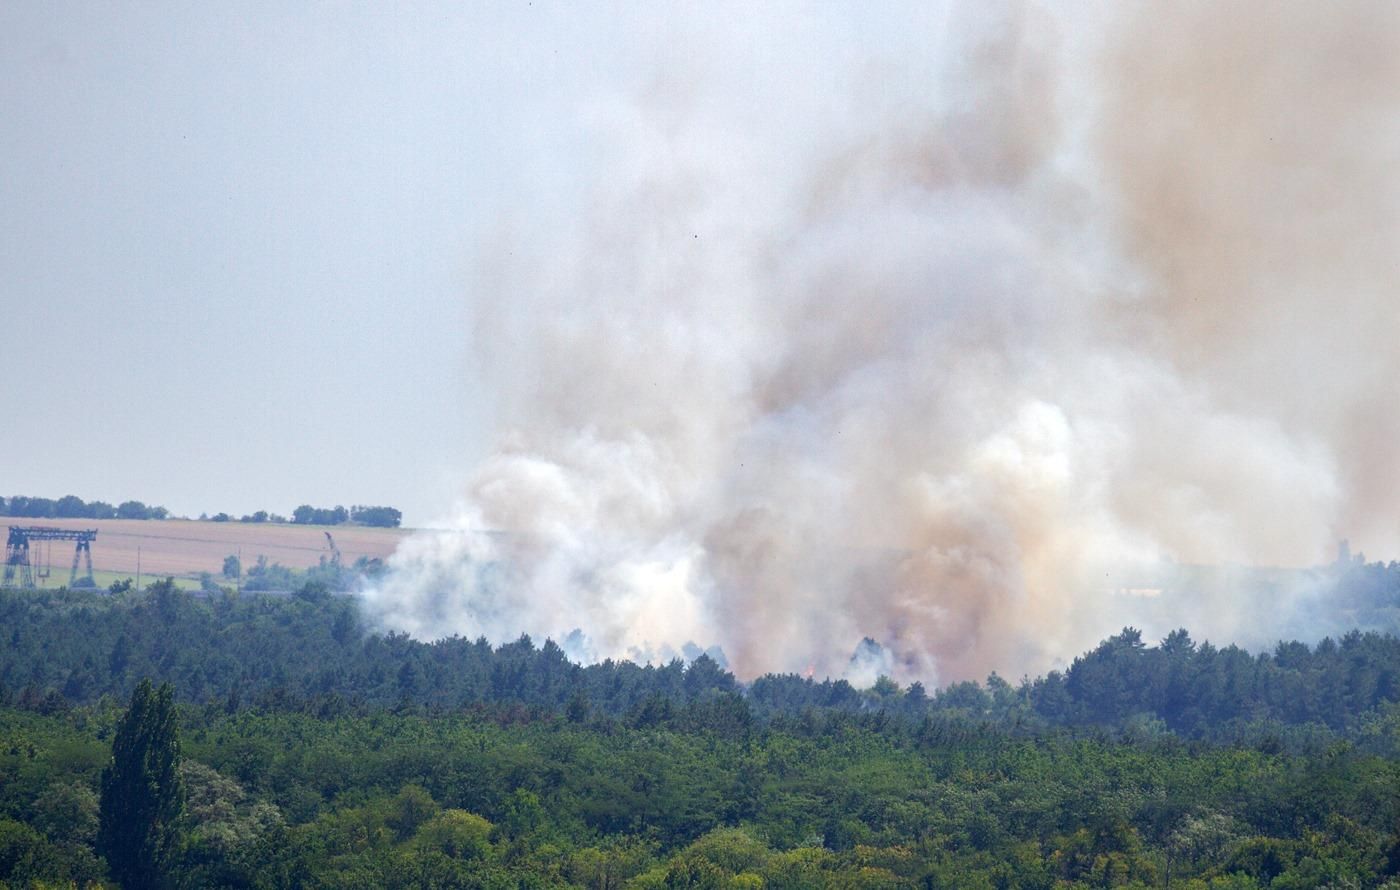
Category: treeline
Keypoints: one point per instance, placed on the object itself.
(266, 576)
(1193, 689)
(382, 517)
(508, 796)
(257, 516)
(310, 651)
(74, 507)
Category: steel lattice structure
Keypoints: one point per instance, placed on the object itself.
(17, 547)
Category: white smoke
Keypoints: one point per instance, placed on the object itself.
(937, 342)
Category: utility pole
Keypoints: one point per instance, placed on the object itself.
(138, 568)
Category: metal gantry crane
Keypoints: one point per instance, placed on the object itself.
(23, 538)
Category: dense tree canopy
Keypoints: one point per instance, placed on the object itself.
(503, 796)
(317, 753)
(383, 517)
(73, 507)
(311, 646)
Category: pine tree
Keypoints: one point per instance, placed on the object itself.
(142, 794)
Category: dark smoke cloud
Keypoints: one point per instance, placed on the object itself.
(942, 346)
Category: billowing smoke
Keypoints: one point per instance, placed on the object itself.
(939, 333)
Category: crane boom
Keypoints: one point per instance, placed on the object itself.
(335, 551)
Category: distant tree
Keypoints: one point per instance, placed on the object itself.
(1178, 644)
(885, 688)
(705, 673)
(157, 513)
(259, 516)
(967, 695)
(309, 515)
(32, 508)
(916, 697)
(73, 507)
(120, 656)
(70, 507)
(344, 626)
(409, 809)
(313, 591)
(142, 794)
(458, 834)
(369, 567)
(380, 517)
(221, 517)
(269, 576)
(576, 711)
(132, 510)
(232, 567)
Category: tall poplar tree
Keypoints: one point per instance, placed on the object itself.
(142, 794)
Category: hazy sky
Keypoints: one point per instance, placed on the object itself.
(236, 240)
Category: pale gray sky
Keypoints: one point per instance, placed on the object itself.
(236, 240)
(239, 241)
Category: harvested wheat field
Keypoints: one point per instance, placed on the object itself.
(184, 547)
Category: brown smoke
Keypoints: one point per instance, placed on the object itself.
(1253, 154)
(944, 361)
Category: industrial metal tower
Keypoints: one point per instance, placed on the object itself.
(17, 552)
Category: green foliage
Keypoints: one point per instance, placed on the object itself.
(456, 833)
(142, 793)
(73, 507)
(319, 756)
(24, 854)
(264, 575)
(309, 515)
(382, 517)
(279, 797)
(309, 649)
(138, 510)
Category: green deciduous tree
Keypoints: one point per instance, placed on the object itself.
(142, 794)
(132, 510)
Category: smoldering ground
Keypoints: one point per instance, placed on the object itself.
(937, 330)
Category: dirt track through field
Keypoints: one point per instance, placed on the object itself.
(185, 547)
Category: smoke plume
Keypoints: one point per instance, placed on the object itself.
(940, 335)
